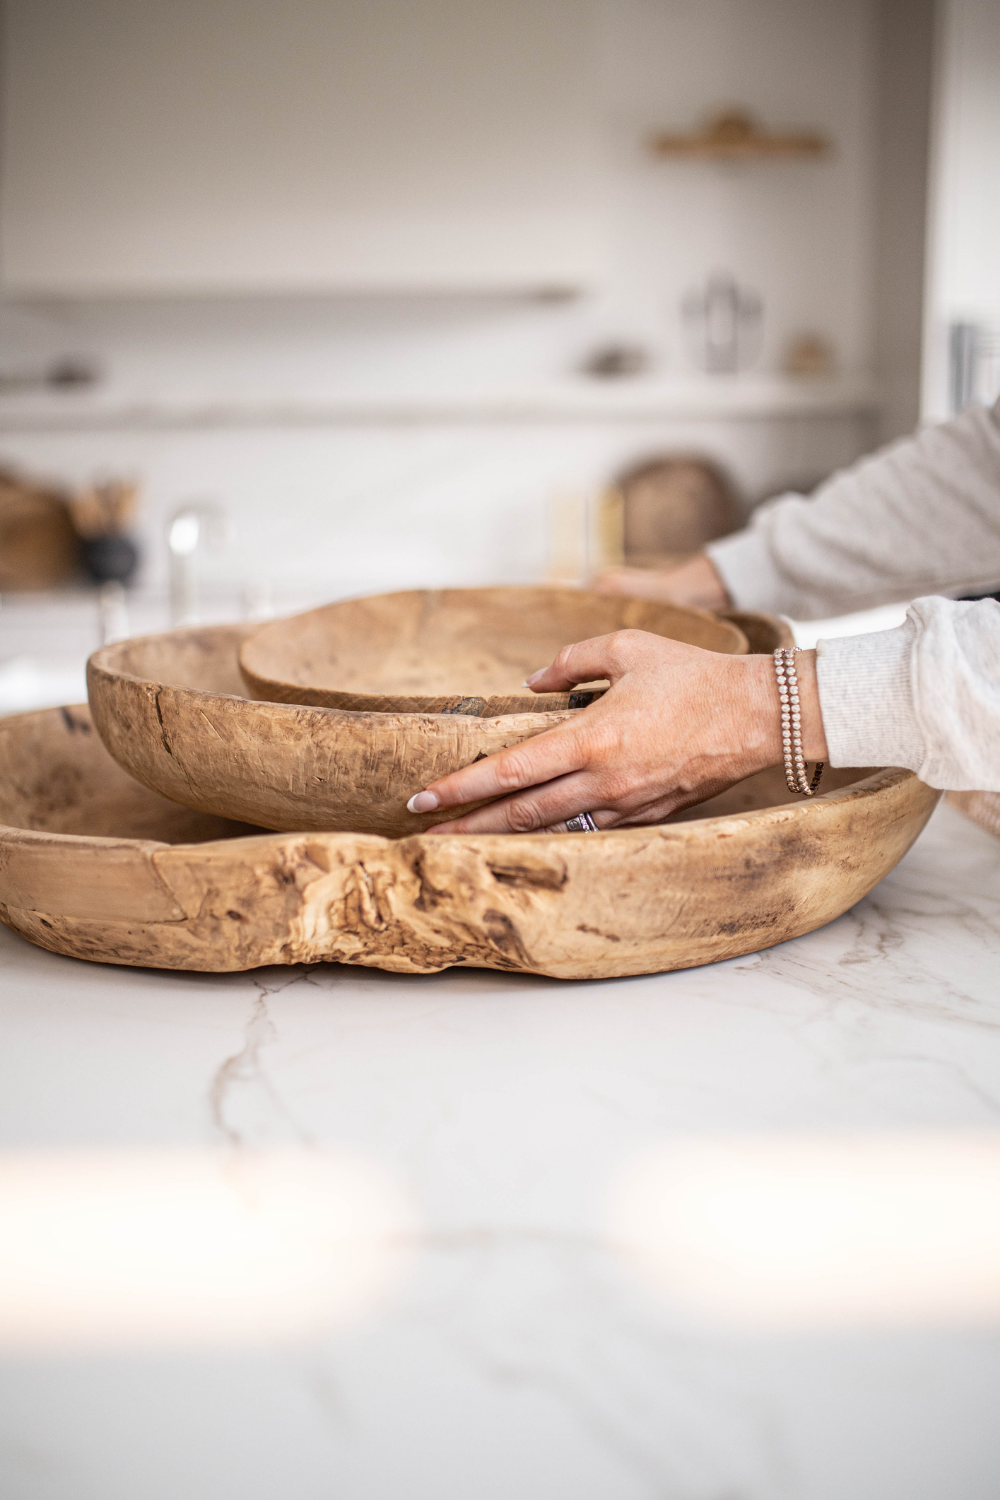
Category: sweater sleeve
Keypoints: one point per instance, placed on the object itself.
(920, 517)
(925, 696)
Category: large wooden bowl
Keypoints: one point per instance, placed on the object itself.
(434, 651)
(95, 866)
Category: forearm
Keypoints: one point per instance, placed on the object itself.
(925, 696)
(920, 517)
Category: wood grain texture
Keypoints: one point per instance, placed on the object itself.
(95, 866)
(439, 651)
(764, 633)
(171, 711)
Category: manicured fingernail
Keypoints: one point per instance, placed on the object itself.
(423, 802)
(530, 681)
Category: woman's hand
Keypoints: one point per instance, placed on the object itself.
(694, 583)
(677, 725)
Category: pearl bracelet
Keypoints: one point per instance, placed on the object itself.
(796, 773)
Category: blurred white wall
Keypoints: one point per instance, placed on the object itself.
(963, 279)
(102, 159)
(329, 509)
(324, 507)
(905, 34)
(799, 232)
(241, 145)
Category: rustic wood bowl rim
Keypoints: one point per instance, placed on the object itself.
(101, 660)
(269, 688)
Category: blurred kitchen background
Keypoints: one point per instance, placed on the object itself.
(334, 296)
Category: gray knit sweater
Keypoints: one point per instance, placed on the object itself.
(919, 518)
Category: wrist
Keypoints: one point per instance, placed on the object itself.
(814, 746)
(762, 710)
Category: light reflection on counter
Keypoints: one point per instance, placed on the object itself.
(818, 1232)
(144, 1249)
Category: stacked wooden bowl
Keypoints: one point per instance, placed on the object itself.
(134, 831)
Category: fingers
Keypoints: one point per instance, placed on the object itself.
(586, 661)
(603, 818)
(538, 808)
(557, 752)
(521, 814)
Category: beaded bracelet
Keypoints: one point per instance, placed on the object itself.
(796, 773)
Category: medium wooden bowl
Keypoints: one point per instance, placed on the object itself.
(171, 710)
(95, 866)
(434, 651)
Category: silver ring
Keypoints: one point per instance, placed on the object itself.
(582, 823)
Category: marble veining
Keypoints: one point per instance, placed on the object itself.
(244, 1072)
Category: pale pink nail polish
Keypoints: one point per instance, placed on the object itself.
(530, 681)
(423, 802)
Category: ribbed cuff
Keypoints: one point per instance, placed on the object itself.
(744, 564)
(866, 698)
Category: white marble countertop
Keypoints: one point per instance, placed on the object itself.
(723, 1234)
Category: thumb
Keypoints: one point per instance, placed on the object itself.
(586, 661)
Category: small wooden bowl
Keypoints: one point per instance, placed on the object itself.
(95, 866)
(441, 651)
